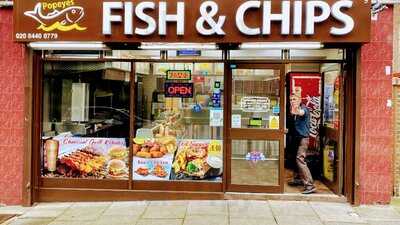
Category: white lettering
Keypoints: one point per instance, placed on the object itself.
(128, 18)
(240, 24)
(312, 19)
(207, 17)
(284, 17)
(151, 23)
(298, 17)
(210, 22)
(179, 18)
(344, 18)
(108, 18)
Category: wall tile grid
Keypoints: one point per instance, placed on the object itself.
(396, 99)
(11, 112)
(376, 147)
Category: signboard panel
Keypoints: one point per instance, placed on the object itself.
(178, 90)
(179, 75)
(198, 21)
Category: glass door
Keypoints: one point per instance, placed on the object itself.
(255, 127)
(332, 126)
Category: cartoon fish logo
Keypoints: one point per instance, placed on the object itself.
(64, 20)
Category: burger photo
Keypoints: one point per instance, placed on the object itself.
(118, 152)
(117, 168)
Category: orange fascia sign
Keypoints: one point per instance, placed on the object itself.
(196, 21)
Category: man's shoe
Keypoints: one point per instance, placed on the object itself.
(295, 182)
(309, 190)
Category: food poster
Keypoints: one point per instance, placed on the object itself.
(152, 168)
(198, 160)
(152, 158)
(78, 157)
(308, 86)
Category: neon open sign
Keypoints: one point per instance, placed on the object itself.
(179, 90)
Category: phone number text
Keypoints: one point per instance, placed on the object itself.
(43, 36)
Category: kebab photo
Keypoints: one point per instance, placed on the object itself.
(82, 163)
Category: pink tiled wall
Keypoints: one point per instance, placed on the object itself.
(376, 147)
(11, 112)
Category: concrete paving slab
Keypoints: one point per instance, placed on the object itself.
(31, 221)
(344, 223)
(206, 220)
(126, 208)
(383, 222)
(91, 204)
(116, 220)
(18, 210)
(336, 212)
(207, 208)
(160, 222)
(82, 212)
(378, 212)
(291, 208)
(168, 203)
(44, 213)
(53, 205)
(72, 223)
(249, 209)
(252, 221)
(296, 220)
(164, 212)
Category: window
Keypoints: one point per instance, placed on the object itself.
(85, 120)
(179, 121)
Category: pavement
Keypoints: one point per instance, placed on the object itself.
(230, 212)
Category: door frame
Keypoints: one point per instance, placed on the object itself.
(253, 134)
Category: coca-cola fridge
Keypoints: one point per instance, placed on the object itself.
(308, 86)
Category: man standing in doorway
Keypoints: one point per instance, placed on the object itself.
(299, 130)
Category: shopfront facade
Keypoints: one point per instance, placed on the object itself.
(180, 105)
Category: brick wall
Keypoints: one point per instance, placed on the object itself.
(12, 75)
(376, 147)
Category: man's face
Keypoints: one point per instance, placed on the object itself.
(294, 101)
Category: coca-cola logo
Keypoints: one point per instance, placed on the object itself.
(314, 105)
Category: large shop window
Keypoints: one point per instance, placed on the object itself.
(178, 122)
(85, 120)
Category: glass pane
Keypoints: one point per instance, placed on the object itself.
(332, 96)
(255, 162)
(85, 120)
(255, 98)
(179, 126)
(330, 160)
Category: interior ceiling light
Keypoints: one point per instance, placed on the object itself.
(68, 46)
(282, 45)
(178, 46)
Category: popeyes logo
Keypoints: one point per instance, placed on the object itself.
(62, 16)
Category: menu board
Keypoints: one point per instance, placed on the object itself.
(86, 157)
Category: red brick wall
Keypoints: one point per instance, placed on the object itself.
(12, 74)
(376, 147)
